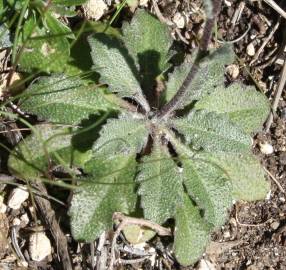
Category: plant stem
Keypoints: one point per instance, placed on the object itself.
(179, 97)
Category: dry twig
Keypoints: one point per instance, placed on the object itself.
(281, 85)
(272, 4)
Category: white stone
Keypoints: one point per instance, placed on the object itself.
(266, 148)
(226, 234)
(250, 50)
(17, 197)
(24, 220)
(16, 222)
(95, 9)
(179, 20)
(143, 3)
(233, 71)
(3, 206)
(39, 246)
(206, 265)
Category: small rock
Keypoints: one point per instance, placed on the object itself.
(250, 50)
(17, 197)
(24, 220)
(206, 265)
(282, 199)
(16, 222)
(179, 20)
(94, 9)
(39, 246)
(233, 71)
(274, 225)
(143, 3)
(266, 148)
(3, 206)
(226, 234)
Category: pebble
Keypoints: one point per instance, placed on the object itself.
(250, 50)
(143, 3)
(266, 148)
(39, 246)
(206, 265)
(17, 197)
(226, 234)
(233, 71)
(24, 220)
(179, 20)
(274, 225)
(95, 9)
(3, 206)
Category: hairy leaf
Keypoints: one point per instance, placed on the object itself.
(245, 107)
(33, 156)
(65, 100)
(116, 67)
(208, 78)
(191, 233)
(148, 41)
(124, 135)
(207, 185)
(110, 189)
(245, 173)
(160, 185)
(213, 132)
(49, 52)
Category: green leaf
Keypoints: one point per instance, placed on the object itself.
(34, 155)
(148, 41)
(160, 185)
(210, 75)
(136, 234)
(115, 66)
(110, 189)
(43, 50)
(58, 27)
(245, 173)
(126, 134)
(213, 132)
(245, 107)
(65, 100)
(207, 185)
(191, 233)
(69, 2)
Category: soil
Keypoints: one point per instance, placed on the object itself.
(255, 236)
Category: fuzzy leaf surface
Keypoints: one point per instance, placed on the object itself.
(116, 67)
(210, 75)
(213, 132)
(66, 100)
(49, 53)
(208, 187)
(123, 135)
(245, 107)
(32, 157)
(110, 189)
(160, 185)
(148, 41)
(244, 171)
(191, 233)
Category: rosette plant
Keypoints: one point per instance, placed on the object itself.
(180, 154)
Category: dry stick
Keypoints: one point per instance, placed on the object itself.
(178, 98)
(124, 221)
(275, 180)
(273, 30)
(272, 4)
(281, 85)
(49, 217)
